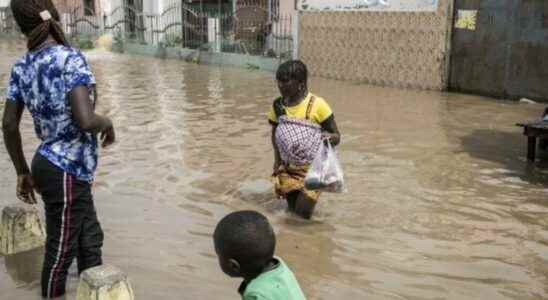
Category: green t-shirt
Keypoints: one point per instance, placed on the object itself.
(276, 284)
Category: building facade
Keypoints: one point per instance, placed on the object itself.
(88, 7)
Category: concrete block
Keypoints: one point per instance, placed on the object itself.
(104, 283)
(21, 230)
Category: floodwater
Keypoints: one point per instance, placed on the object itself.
(441, 203)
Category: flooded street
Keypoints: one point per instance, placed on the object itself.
(441, 203)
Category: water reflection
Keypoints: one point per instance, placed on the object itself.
(441, 203)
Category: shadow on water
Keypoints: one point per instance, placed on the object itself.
(492, 145)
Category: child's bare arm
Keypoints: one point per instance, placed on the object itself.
(277, 160)
(331, 131)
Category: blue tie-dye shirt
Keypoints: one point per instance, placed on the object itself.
(42, 80)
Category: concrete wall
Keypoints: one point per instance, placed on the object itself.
(400, 49)
(369, 5)
(287, 7)
(109, 5)
(156, 6)
(201, 57)
(64, 6)
(149, 6)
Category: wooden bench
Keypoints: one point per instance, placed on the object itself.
(533, 130)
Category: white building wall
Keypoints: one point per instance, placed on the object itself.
(4, 3)
(286, 25)
(155, 6)
(287, 7)
(109, 5)
(149, 6)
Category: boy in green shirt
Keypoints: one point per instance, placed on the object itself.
(245, 243)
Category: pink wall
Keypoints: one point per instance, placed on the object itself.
(287, 7)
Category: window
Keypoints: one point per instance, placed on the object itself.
(89, 7)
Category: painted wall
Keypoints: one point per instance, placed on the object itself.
(109, 5)
(156, 6)
(369, 5)
(149, 6)
(4, 3)
(389, 48)
(286, 26)
(64, 6)
(287, 7)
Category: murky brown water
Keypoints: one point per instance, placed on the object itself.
(441, 203)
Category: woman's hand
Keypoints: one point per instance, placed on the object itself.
(25, 189)
(108, 136)
(333, 138)
(327, 135)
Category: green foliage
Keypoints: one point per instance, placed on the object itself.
(83, 42)
(173, 40)
(252, 66)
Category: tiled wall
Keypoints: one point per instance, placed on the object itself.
(400, 49)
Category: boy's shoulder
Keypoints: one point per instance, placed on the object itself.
(277, 284)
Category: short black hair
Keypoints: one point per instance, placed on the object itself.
(293, 69)
(247, 237)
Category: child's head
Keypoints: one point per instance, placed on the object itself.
(245, 243)
(38, 20)
(292, 77)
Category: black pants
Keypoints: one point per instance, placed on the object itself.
(73, 230)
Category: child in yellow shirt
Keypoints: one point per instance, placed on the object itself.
(300, 121)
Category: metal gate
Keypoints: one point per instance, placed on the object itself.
(500, 48)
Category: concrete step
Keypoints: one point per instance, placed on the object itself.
(21, 230)
(104, 283)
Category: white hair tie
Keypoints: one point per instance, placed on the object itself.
(45, 15)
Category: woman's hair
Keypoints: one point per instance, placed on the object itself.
(293, 69)
(38, 19)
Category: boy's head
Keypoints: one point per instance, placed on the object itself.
(245, 243)
(38, 19)
(292, 77)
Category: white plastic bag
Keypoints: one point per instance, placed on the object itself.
(325, 173)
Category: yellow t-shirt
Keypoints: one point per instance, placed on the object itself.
(319, 113)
